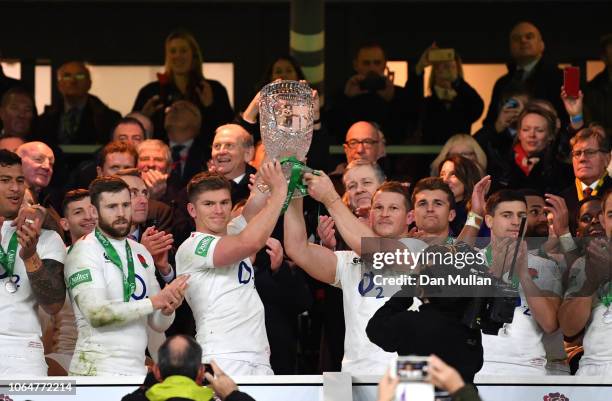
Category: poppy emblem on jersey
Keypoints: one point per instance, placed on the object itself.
(533, 273)
(142, 260)
(555, 397)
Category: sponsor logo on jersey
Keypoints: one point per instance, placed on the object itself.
(204, 245)
(142, 260)
(79, 277)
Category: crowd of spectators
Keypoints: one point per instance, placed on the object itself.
(535, 138)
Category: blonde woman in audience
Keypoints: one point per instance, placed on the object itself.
(182, 79)
(460, 145)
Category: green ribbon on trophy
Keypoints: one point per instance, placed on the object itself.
(296, 183)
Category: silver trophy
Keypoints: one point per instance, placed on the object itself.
(286, 120)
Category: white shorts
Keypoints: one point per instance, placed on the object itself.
(21, 356)
(507, 368)
(241, 364)
(605, 369)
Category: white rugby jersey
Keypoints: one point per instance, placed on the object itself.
(520, 342)
(19, 309)
(117, 348)
(597, 341)
(228, 312)
(361, 299)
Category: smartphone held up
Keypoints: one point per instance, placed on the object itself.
(571, 81)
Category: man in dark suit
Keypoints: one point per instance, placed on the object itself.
(529, 70)
(590, 158)
(232, 150)
(78, 117)
(189, 150)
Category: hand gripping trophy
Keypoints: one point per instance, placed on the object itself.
(286, 120)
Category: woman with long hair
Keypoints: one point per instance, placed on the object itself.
(183, 79)
(461, 174)
(452, 106)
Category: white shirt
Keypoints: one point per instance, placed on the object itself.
(118, 348)
(228, 312)
(237, 179)
(520, 342)
(18, 309)
(528, 68)
(597, 341)
(593, 185)
(361, 299)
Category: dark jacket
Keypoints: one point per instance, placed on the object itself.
(218, 113)
(395, 117)
(428, 331)
(197, 156)
(598, 100)
(548, 175)
(241, 190)
(160, 216)
(97, 121)
(544, 82)
(441, 119)
(285, 295)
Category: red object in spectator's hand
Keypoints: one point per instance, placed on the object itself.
(164, 81)
(163, 78)
(571, 81)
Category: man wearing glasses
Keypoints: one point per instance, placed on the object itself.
(78, 118)
(364, 141)
(590, 157)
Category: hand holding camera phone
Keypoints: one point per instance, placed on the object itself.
(437, 55)
(409, 368)
(373, 82)
(571, 81)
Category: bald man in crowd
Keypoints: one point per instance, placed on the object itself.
(364, 141)
(37, 161)
(529, 70)
(232, 150)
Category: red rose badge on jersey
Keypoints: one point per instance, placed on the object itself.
(142, 261)
(555, 397)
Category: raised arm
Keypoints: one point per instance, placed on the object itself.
(256, 201)
(543, 303)
(234, 248)
(584, 281)
(46, 274)
(319, 262)
(470, 230)
(392, 322)
(351, 229)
